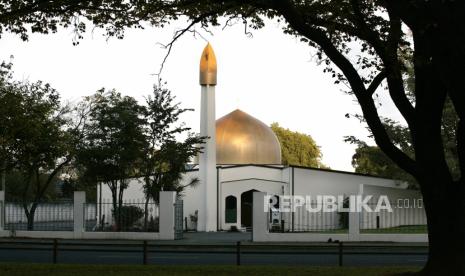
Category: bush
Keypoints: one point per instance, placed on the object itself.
(233, 229)
(127, 217)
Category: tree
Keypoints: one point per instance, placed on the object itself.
(36, 139)
(297, 148)
(166, 159)
(113, 143)
(362, 43)
(372, 160)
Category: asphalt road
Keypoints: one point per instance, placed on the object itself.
(119, 255)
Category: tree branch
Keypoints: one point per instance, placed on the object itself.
(366, 101)
(394, 70)
(375, 83)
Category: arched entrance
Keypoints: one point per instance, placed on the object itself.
(247, 208)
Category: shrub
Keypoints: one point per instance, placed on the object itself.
(127, 217)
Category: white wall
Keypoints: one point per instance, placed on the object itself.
(314, 182)
(236, 188)
(246, 172)
(133, 192)
(192, 199)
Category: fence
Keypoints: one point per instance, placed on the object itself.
(57, 216)
(237, 250)
(403, 224)
(131, 216)
(81, 220)
(304, 221)
(402, 219)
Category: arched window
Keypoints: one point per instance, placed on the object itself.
(231, 209)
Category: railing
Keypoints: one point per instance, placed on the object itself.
(303, 220)
(131, 216)
(409, 219)
(239, 250)
(350, 223)
(56, 216)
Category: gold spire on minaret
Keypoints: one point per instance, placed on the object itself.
(208, 66)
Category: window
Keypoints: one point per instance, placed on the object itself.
(231, 209)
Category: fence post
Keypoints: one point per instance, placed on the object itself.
(2, 210)
(238, 253)
(166, 220)
(340, 252)
(79, 213)
(145, 256)
(55, 250)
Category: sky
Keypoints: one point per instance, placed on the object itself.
(272, 76)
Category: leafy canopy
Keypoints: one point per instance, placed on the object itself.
(297, 148)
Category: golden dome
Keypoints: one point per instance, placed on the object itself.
(242, 139)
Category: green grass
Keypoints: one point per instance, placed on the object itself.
(333, 231)
(405, 229)
(139, 270)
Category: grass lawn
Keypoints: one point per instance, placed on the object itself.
(405, 229)
(332, 231)
(139, 270)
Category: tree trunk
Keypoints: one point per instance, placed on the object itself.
(120, 205)
(445, 211)
(114, 202)
(30, 216)
(146, 214)
(3, 176)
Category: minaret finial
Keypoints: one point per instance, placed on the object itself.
(208, 66)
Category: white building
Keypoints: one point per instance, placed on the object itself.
(243, 155)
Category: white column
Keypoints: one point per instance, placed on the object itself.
(207, 220)
(78, 213)
(166, 219)
(259, 217)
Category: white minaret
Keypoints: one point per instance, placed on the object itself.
(207, 220)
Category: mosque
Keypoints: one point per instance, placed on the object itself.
(242, 156)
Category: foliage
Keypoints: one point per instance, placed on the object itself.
(15, 187)
(113, 142)
(297, 148)
(128, 215)
(371, 160)
(36, 137)
(166, 159)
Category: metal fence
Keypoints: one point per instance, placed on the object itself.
(131, 216)
(178, 219)
(57, 216)
(404, 218)
(311, 217)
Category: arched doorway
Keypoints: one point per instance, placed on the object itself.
(247, 208)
